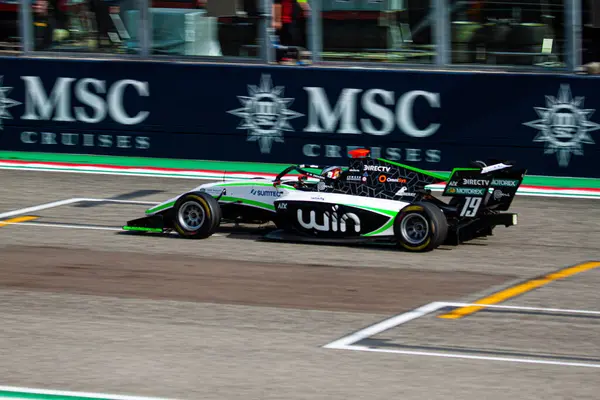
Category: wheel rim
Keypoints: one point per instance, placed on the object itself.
(414, 228)
(191, 216)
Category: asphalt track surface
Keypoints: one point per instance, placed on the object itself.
(233, 317)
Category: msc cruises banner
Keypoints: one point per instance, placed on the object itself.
(432, 120)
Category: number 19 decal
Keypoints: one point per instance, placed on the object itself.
(471, 207)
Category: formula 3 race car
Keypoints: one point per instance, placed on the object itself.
(372, 200)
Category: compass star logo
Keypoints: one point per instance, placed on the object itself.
(564, 125)
(265, 113)
(5, 102)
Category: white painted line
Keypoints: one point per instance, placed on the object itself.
(205, 175)
(66, 202)
(98, 396)
(67, 226)
(562, 196)
(232, 175)
(557, 310)
(385, 325)
(347, 342)
(472, 357)
(40, 207)
(84, 227)
(112, 173)
(150, 203)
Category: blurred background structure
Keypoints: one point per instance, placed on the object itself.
(552, 35)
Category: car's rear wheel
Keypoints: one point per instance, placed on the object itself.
(420, 227)
(196, 215)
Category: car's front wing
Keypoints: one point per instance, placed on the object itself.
(152, 223)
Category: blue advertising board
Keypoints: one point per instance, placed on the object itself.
(432, 120)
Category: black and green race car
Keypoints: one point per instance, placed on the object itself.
(373, 199)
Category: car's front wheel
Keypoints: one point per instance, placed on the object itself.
(420, 227)
(196, 215)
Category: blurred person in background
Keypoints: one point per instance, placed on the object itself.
(52, 21)
(289, 21)
(102, 10)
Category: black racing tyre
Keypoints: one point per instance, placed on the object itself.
(196, 215)
(420, 227)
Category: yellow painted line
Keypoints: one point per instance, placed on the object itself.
(520, 289)
(16, 220)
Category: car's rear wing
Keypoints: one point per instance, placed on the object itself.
(485, 187)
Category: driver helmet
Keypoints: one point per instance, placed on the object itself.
(332, 172)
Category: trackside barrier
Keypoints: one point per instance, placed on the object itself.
(283, 114)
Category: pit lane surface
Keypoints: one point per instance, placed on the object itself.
(233, 317)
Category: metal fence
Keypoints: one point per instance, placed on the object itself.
(525, 35)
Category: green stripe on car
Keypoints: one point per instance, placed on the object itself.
(377, 210)
(384, 228)
(253, 203)
(233, 184)
(160, 208)
(419, 170)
